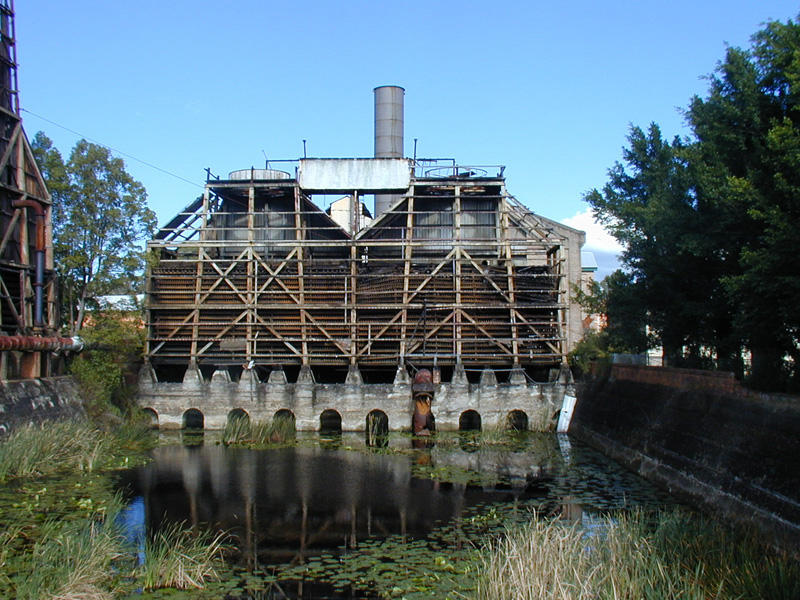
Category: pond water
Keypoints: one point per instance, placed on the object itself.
(333, 517)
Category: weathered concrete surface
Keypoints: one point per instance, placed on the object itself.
(700, 435)
(38, 400)
(353, 400)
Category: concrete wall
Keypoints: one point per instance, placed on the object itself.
(38, 400)
(353, 400)
(703, 437)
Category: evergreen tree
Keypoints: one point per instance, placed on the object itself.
(708, 223)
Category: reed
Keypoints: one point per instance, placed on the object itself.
(55, 447)
(242, 432)
(181, 558)
(37, 450)
(637, 556)
(74, 560)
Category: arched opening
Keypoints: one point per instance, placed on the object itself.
(469, 420)
(330, 422)
(193, 419)
(284, 415)
(152, 417)
(517, 420)
(238, 416)
(283, 427)
(377, 429)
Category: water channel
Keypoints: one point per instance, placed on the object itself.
(333, 517)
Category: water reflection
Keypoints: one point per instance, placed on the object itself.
(282, 505)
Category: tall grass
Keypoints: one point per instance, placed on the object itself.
(671, 555)
(90, 559)
(243, 432)
(74, 560)
(48, 448)
(37, 450)
(181, 558)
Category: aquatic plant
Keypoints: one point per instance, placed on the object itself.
(177, 557)
(259, 434)
(237, 431)
(38, 450)
(72, 559)
(674, 554)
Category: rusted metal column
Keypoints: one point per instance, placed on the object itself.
(39, 246)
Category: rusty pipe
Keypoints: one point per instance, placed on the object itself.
(26, 343)
(38, 283)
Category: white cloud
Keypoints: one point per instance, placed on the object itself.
(597, 238)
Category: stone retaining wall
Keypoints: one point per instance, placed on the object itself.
(352, 400)
(702, 436)
(38, 400)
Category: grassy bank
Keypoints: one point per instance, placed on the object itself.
(60, 527)
(635, 556)
(63, 447)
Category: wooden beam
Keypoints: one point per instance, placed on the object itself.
(457, 347)
(223, 332)
(512, 298)
(277, 335)
(430, 333)
(407, 256)
(10, 229)
(299, 236)
(491, 338)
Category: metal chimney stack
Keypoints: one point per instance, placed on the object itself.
(388, 134)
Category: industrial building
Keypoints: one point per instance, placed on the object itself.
(254, 286)
(28, 310)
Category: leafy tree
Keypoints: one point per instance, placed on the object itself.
(651, 205)
(625, 318)
(112, 356)
(748, 131)
(709, 222)
(100, 219)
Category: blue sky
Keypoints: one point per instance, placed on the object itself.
(548, 89)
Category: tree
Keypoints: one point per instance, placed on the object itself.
(748, 130)
(100, 219)
(709, 222)
(615, 297)
(651, 205)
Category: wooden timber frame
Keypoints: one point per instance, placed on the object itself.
(25, 209)
(457, 271)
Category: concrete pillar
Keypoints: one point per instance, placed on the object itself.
(353, 376)
(193, 379)
(220, 376)
(459, 376)
(306, 375)
(147, 376)
(248, 378)
(401, 377)
(488, 378)
(305, 419)
(517, 377)
(277, 376)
